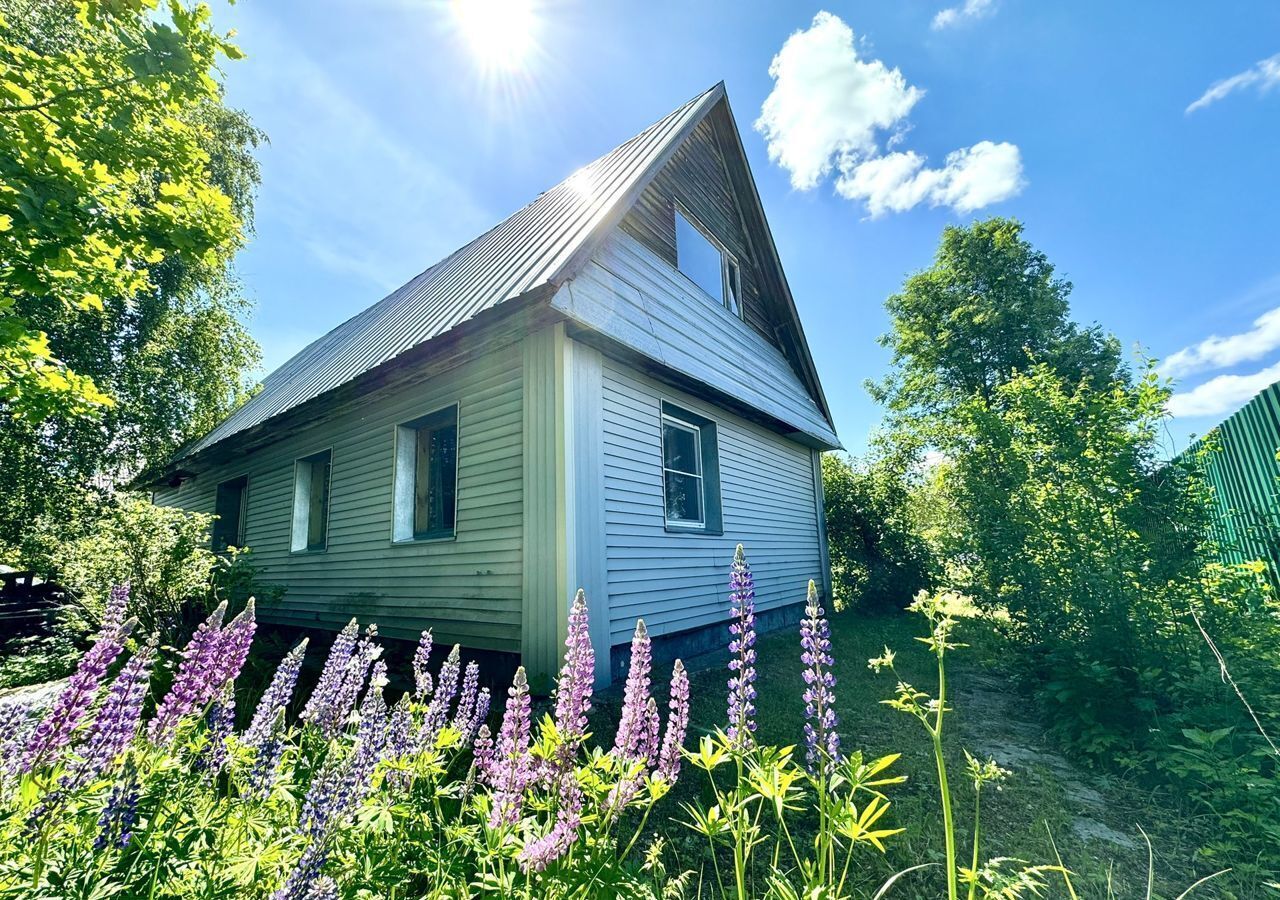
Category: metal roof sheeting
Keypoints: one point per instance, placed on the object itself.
(531, 248)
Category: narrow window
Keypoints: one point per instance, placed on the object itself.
(707, 264)
(690, 471)
(311, 501)
(426, 477)
(229, 507)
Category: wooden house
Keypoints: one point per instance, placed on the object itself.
(608, 390)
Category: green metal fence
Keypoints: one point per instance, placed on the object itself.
(1245, 477)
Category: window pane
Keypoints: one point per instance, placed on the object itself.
(318, 519)
(733, 287)
(698, 258)
(680, 448)
(684, 498)
(228, 530)
(435, 479)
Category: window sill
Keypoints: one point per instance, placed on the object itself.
(309, 551)
(676, 528)
(425, 539)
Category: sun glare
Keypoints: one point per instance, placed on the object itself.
(501, 34)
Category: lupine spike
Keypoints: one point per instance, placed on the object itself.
(634, 720)
(47, 741)
(331, 676)
(742, 662)
(117, 722)
(677, 725)
(821, 738)
(446, 688)
(467, 699)
(421, 676)
(271, 746)
(277, 695)
(221, 724)
(510, 769)
(481, 713)
(193, 685)
(576, 682)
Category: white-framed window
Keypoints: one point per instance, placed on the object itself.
(229, 506)
(684, 487)
(311, 479)
(706, 262)
(426, 477)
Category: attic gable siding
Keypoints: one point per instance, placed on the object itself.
(696, 176)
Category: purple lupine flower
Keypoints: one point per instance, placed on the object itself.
(324, 888)
(271, 747)
(277, 695)
(634, 722)
(335, 667)
(55, 730)
(15, 721)
(446, 687)
(478, 717)
(575, 684)
(233, 647)
(742, 664)
(193, 684)
(120, 814)
(677, 725)
(305, 874)
(400, 728)
(462, 717)
(220, 725)
(422, 677)
(510, 768)
(820, 735)
(113, 615)
(117, 722)
(482, 753)
(336, 716)
(540, 852)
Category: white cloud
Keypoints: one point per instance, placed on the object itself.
(969, 179)
(1265, 75)
(1217, 352)
(827, 104)
(831, 109)
(970, 9)
(1222, 395)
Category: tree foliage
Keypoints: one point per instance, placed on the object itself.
(878, 559)
(126, 187)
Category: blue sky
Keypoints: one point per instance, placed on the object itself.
(391, 144)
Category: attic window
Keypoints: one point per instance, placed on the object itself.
(706, 263)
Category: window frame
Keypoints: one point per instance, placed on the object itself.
(708, 444)
(304, 546)
(729, 261)
(242, 524)
(404, 465)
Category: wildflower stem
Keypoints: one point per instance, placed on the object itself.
(944, 790)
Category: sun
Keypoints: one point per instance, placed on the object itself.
(501, 34)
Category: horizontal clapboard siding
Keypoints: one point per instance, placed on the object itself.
(638, 300)
(467, 589)
(678, 581)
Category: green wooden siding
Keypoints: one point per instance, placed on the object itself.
(468, 589)
(1243, 473)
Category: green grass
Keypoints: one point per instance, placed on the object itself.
(1045, 793)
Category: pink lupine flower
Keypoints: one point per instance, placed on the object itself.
(742, 631)
(634, 723)
(55, 730)
(576, 682)
(677, 725)
(510, 768)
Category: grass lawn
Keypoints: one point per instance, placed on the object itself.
(1093, 816)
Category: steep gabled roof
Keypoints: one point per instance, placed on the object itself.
(540, 246)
